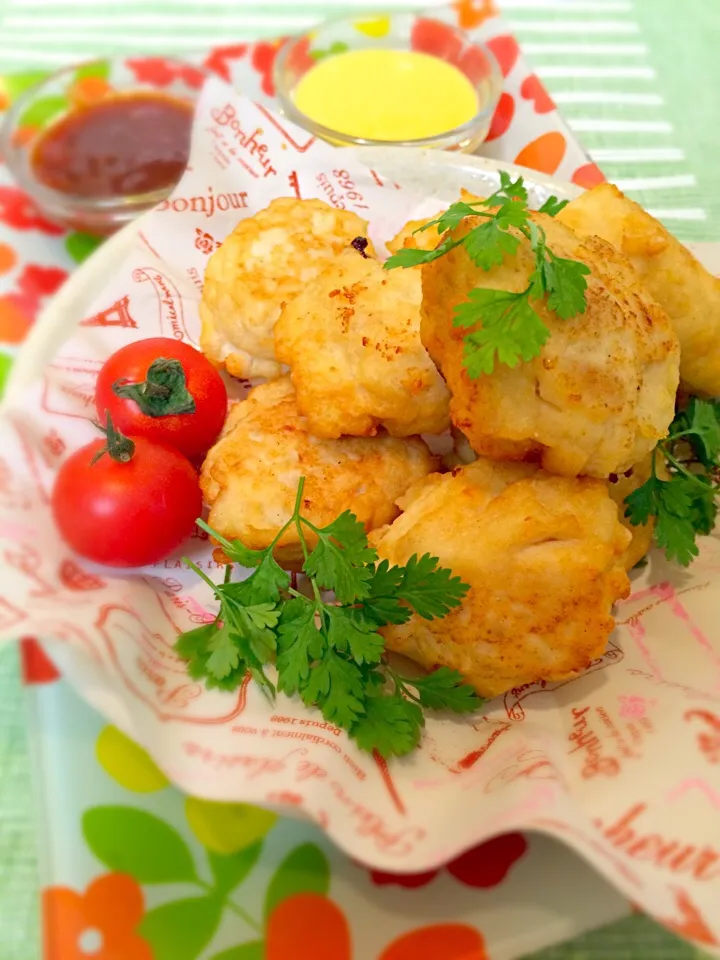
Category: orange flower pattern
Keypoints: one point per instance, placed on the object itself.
(545, 153)
(472, 13)
(311, 927)
(100, 922)
(8, 258)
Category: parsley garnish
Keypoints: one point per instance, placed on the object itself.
(684, 506)
(505, 327)
(330, 653)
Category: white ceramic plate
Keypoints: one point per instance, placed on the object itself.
(432, 173)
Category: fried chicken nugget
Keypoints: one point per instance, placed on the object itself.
(670, 273)
(602, 391)
(619, 488)
(543, 558)
(406, 237)
(352, 342)
(266, 261)
(250, 477)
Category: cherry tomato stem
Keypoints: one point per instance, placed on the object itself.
(163, 390)
(117, 446)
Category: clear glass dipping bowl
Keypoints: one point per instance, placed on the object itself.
(62, 92)
(397, 31)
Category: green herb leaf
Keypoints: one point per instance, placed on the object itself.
(704, 508)
(512, 213)
(671, 503)
(489, 244)
(518, 331)
(335, 686)
(194, 643)
(330, 653)
(228, 683)
(234, 550)
(445, 689)
(348, 633)
(513, 189)
(412, 257)
(391, 725)
(339, 561)
(452, 217)
(432, 591)
(685, 505)
(701, 422)
(300, 644)
(382, 604)
(674, 530)
(553, 206)
(564, 281)
(224, 653)
(510, 330)
(267, 582)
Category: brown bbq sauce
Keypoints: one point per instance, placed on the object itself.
(119, 147)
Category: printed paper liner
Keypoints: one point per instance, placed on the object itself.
(266, 888)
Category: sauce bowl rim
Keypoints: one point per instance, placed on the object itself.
(290, 110)
(57, 202)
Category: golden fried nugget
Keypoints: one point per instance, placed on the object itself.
(352, 342)
(266, 261)
(669, 272)
(250, 477)
(406, 237)
(543, 556)
(602, 391)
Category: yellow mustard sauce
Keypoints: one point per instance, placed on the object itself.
(386, 94)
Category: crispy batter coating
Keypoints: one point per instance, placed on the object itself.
(250, 477)
(265, 262)
(352, 342)
(601, 393)
(670, 273)
(543, 557)
(424, 240)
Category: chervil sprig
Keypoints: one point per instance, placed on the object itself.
(684, 505)
(330, 653)
(505, 327)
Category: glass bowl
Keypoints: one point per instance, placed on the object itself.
(398, 31)
(75, 87)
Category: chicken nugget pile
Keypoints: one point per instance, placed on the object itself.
(546, 347)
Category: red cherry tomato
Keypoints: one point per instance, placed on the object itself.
(133, 506)
(163, 390)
